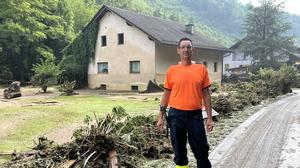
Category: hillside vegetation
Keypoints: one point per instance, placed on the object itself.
(221, 20)
(32, 30)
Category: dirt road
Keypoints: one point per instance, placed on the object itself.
(265, 140)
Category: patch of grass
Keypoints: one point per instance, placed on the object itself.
(68, 109)
(4, 159)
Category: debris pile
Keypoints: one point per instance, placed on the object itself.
(67, 88)
(130, 140)
(13, 90)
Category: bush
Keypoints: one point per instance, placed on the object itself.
(297, 81)
(67, 87)
(45, 74)
(267, 83)
(73, 70)
(287, 77)
(276, 82)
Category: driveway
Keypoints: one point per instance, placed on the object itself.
(268, 139)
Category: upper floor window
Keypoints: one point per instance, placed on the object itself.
(102, 67)
(103, 41)
(120, 38)
(215, 67)
(134, 66)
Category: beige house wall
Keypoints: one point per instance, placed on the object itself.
(211, 56)
(166, 55)
(137, 47)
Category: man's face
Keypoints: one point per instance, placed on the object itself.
(185, 50)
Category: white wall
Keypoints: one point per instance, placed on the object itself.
(235, 59)
(166, 55)
(136, 47)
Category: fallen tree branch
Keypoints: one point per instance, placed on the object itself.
(29, 153)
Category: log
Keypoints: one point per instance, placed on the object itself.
(6, 154)
(67, 164)
(113, 159)
(29, 153)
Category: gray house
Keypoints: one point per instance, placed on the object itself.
(236, 62)
(132, 49)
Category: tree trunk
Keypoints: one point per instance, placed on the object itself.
(44, 88)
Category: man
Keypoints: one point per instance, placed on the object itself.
(186, 85)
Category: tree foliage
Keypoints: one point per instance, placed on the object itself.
(267, 38)
(78, 55)
(83, 11)
(31, 30)
(46, 74)
(280, 80)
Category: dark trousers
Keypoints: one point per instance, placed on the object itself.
(188, 125)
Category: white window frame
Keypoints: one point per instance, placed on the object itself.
(102, 67)
(134, 70)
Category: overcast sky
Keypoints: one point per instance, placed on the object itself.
(291, 6)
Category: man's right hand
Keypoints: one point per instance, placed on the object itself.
(160, 123)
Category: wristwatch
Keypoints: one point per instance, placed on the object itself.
(162, 108)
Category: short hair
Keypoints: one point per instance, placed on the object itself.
(183, 39)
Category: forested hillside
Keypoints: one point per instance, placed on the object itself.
(221, 20)
(33, 30)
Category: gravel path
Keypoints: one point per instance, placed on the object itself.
(264, 140)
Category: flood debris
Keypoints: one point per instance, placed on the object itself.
(153, 87)
(13, 90)
(117, 140)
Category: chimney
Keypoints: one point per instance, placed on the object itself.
(189, 28)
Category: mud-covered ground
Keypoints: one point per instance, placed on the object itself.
(269, 139)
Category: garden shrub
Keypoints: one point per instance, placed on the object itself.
(45, 74)
(287, 77)
(67, 87)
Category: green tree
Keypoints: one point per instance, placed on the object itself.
(83, 11)
(267, 36)
(46, 73)
(31, 30)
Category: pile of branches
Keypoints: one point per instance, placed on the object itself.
(267, 83)
(129, 140)
(242, 94)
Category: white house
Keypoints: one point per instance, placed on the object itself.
(236, 62)
(132, 49)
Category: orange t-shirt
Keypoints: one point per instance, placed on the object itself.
(186, 84)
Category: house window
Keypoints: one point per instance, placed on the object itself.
(134, 66)
(102, 87)
(205, 63)
(134, 88)
(103, 41)
(215, 67)
(102, 67)
(121, 38)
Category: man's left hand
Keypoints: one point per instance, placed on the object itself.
(209, 125)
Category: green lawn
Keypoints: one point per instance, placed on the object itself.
(42, 119)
